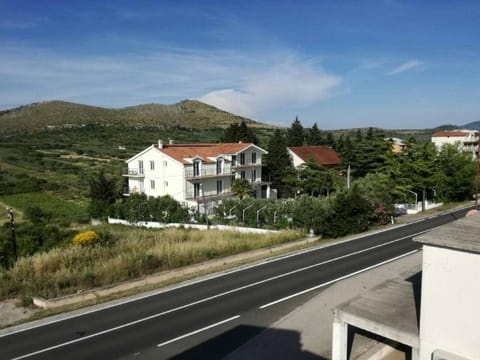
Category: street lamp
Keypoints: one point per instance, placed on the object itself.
(243, 213)
(416, 198)
(230, 212)
(11, 216)
(258, 215)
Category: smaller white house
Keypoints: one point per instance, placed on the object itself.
(322, 155)
(195, 174)
(467, 140)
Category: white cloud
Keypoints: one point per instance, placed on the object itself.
(292, 83)
(244, 83)
(409, 65)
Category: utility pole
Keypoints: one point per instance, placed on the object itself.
(11, 216)
(348, 177)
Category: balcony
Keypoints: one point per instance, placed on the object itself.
(126, 191)
(207, 173)
(133, 172)
(237, 165)
(208, 197)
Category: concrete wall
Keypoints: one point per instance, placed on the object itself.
(450, 315)
(157, 225)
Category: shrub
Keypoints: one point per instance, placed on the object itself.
(85, 238)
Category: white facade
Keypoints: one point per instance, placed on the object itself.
(450, 315)
(466, 140)
(195, 173)
(296, 160)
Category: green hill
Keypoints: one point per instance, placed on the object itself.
(188, 114)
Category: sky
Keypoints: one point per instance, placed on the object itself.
(341, 64)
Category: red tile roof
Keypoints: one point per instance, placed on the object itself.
(456, 133)
(181, 152)
(323, 155)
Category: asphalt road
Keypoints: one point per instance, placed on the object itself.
(211, 317)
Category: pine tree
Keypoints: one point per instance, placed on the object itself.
(277, 161)
(239, 132)
(314, 136)
(295, 135)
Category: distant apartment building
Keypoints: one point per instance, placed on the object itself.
(196, 173)
(322, 155)
(467, 140)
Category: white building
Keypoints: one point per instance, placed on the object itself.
(434, 313)
(467, 140)
(196, 173)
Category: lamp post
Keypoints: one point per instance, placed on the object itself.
(230, 211)
(243, 213)
(416, 198)
(258, 215)
(11, 216)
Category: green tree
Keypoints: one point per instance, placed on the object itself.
(239, 132)
(316, 180)
(277, 162)
(457, 174)
(314, 136)
(295, 134)
(103, 194)
(241, 188)
(330, 140)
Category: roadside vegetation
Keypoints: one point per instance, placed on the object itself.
(119, 253)
(58, 178)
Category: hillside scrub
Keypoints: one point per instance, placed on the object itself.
(136, 253)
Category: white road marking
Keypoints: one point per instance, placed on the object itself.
(226, 293)
(198, 331)
(25, 327)
(335, 280)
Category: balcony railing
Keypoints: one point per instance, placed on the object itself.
(247, 164)
(189, 174)
(208, 196)
(133, 172)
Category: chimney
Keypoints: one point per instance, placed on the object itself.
(160, 144)
(170, 141)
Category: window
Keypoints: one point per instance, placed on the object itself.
(254, 157)
(152, 165)
(196, 168)
(152, 184)
(165, 163)
(196, 190)
(254, 175)
(219, 166)
(140, 167)
(242, 158)
(219, 186)
(242, 175)
(234, 160)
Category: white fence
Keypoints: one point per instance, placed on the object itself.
(157, 225)
(402, 209)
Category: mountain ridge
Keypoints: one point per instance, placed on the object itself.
(189, 114)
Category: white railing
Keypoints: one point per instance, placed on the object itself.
(133, 172)
(208, 172)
